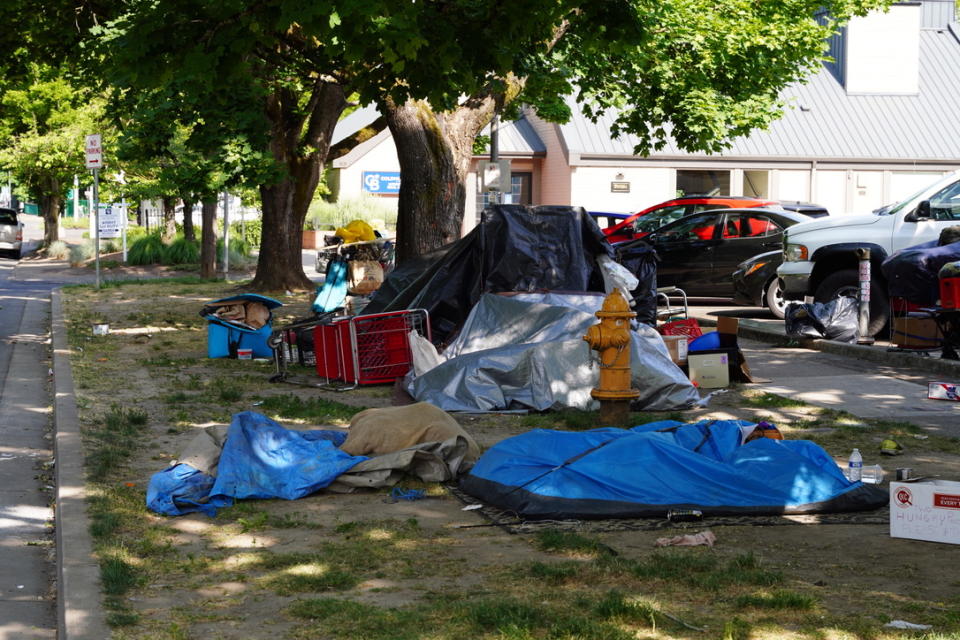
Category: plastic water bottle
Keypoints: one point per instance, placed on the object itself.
(855, 466)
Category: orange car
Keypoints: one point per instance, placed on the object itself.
(643, 222)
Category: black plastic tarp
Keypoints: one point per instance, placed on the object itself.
(513, 248)
(912, 273)
(641, 260)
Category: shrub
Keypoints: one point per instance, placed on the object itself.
(250, 232)
(146, 250)
(81, 253)
(58, 250)
(182, 251)
(323, 214)
(110, 246)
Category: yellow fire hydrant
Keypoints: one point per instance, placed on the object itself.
(611, 338)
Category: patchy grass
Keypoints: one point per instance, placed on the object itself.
(318, 569)
(771, 400)
(317, 410)
(776, 600)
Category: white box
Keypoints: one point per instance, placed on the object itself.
(709, 370)
(925, 511)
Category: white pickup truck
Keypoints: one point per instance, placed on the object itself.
(11, 232)
(819, 257)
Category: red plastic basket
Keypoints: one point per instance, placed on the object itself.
(687, 327)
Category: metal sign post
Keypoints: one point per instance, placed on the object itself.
(94, 157)
(226, 235)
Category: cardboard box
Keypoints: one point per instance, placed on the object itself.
(943, 391)
(916, 333)
(709, 369)
(677, 347)
(925, 511)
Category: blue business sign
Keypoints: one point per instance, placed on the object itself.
(381, 181)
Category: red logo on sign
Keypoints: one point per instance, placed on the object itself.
(946, 501)
(903, 498)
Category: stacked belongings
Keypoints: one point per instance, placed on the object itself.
(513, 248)
(504, 350)
(241, 322)
(913, 273)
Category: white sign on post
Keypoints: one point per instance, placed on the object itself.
(112, 219)
(94, 152)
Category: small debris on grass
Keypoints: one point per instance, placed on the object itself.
(689, 540)
(903, 624)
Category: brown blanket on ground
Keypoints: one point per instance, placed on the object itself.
(375, 432)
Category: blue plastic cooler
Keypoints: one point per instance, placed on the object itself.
(224, 337)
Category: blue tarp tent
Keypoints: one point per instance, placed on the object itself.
(651, 469)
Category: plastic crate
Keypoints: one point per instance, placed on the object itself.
(950, 293)
(368, 349)
(687, 327)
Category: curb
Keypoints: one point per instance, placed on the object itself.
(79, 609)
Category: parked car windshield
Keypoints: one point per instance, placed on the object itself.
(939, 190)
(8, 216)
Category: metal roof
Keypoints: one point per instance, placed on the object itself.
(823, 122)
(517, 137)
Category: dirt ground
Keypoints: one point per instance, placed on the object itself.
(207, 578)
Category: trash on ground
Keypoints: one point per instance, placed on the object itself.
(834, 320)
(925, 509)
(903, 624)
(472, 507)
(943, 391)
(689, 540)
(890, 447)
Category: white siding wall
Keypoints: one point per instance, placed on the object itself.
(590, 188)
(792, 184)
(830, 191)
(382, 157)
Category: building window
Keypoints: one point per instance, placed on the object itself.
(703, 182)
(520, 192)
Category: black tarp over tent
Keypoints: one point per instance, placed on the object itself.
(513, 248)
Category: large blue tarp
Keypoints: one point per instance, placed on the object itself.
(260, 459)
(651, 469)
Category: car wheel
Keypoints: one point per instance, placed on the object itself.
(773, 298)
(846, 282)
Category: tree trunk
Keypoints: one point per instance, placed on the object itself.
(434, 150)
(188, 231)
(50, 205)
(285, 203)
(208, 238)
(169, 218)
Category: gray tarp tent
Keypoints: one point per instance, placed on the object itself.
(513, 352)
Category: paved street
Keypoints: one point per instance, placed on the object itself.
(27, 553)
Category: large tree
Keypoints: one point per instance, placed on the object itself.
(700, 71)
(45, 118)
(278, 72)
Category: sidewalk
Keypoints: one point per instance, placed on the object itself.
(866, 380)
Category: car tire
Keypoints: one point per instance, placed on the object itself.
(773, 298)
(846, 282)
